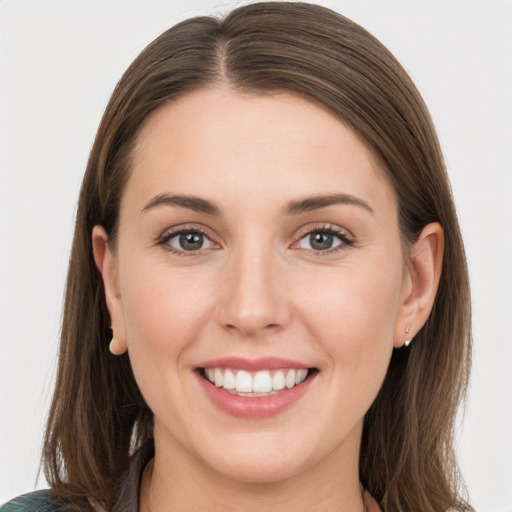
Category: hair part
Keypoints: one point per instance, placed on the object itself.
(407, 459)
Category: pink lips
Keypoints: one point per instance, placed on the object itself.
(253, 407)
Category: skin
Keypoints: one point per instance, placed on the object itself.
(258, 289)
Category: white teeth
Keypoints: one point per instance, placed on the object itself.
(290, 379)
(243, 382)
(256, 384)
(262, 383)
(229, 380)
(301, 375)
(218, 377)
(278, 380)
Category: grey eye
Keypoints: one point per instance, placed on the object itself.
(190, 241)
(319, 241)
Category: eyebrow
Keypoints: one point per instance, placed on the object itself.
(311, 203)
(295, 207)
(193, 203)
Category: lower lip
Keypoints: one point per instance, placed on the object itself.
(254, 407)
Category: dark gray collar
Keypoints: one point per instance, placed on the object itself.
(128, 497)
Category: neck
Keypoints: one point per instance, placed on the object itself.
(181, 484)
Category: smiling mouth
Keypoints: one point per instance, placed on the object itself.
(256, 384)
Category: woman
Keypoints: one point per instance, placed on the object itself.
(267, 303)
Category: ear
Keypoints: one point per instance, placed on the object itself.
(420, 284)
(107, 265)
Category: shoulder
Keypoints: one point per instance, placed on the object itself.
(38, 501)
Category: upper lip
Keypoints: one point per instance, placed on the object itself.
(252, 365)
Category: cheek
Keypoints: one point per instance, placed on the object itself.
(164, 316)
(352, 314)
(159, 304)
(164, 313)
(352, 321)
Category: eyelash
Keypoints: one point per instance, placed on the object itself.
(169, 235)
(346, 239)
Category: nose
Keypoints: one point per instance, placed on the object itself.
(253, 301)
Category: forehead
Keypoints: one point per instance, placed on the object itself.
(223, 143)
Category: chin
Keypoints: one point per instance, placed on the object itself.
(262, 460)
(260, 472)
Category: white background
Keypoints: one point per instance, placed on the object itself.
(59, 63)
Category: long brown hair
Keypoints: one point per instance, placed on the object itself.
(98, 416)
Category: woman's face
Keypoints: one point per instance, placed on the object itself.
(258, 246)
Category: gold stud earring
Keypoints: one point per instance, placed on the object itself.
(408, 342)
